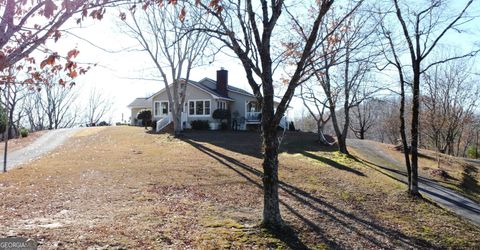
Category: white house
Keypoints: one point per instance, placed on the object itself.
(202, 98)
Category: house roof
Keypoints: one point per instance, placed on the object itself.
(141, 102)
(211, 85)
(206, 84)
(207, 88)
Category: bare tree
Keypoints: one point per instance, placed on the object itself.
(342, 67)
(98, 105)
(388, 123)
(316, 104)
(364, 118)
(13, 95)
(254, 38)
(172, 46)
(449, 104)
(35, 116)
(58, 104)
(422, 31)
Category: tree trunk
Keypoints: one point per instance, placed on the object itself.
(342, 145)
(415, 123)
(177, 124)
(321, 135)
(271, 208)
(177, 118)
(403, 134)
(341, 140)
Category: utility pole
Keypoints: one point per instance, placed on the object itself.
(7, 97)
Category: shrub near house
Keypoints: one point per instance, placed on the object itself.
(221, 115)
(146, 117)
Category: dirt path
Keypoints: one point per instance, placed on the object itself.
(443, 196)
(44, 144)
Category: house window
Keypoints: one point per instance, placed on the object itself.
(207, 107)
(164, 108)
(192, 108)
(156, 109)
(221, 105)
(201, 107)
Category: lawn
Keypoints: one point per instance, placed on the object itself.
(455, 172)
(120, 187)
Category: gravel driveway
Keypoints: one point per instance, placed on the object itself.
(445, 197)
(44, 144)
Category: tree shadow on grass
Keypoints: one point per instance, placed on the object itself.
(346, 220)
(248, 143)
(426, 186)
(332, 163)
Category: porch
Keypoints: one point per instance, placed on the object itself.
(253, 113)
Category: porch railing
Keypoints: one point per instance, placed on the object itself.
(253, 116)
(257, 117)
(162, 123)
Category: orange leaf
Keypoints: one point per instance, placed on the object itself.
(49, 61)
(49, 9)
(183, 13)
(72, 53)
(219, 10)
(73, 74)
(57, 35)
(43, 64)
(3, 60)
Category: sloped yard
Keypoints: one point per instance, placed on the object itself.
(123, 188)
(459, 174)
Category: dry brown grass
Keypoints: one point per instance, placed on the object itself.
(123, 188)
(461, 175)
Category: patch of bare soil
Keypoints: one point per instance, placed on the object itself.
(122, 188)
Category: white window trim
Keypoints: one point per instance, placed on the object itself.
(220, 104)
(155, 109)
(160, 108)
(195, 107)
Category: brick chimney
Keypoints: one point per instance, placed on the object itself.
(222, 82)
